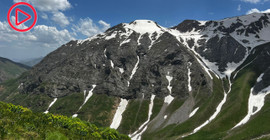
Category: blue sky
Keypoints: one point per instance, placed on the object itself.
(62, 20)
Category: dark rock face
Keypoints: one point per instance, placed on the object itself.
(76, 67)
(189, 25)
(263, 66)
(222, 50)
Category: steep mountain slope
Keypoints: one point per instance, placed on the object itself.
(10, 69)
(198, 79)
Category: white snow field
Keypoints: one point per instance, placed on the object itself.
(118, 115)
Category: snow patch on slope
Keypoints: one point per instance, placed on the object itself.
(154, 38)
(105, 51)
(260, 78)
(113, 35)
(90, 94)
(137, 134)
(165, 117)
(112, 64)
(193, 112)
(138, 41)
(189, 78)
(124, 42)
(255, 102)
(75, 115)
(168, 99)
(144, 26)
(51, 104)
(121, 70)
(118, 115)
(134, 70)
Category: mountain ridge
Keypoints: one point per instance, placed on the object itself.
(10, 69)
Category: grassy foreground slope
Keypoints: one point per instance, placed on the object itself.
(17, 122)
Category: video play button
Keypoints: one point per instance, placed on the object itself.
(29, 18)
(17, 12)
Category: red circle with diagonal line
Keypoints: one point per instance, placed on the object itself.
(25, 4)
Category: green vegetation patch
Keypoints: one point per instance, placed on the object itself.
(99, 109)
(158, 103)
(68, 105)
(17, 122)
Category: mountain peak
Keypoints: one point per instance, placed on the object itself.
(144, 26)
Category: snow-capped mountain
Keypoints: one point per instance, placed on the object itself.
(152, 82)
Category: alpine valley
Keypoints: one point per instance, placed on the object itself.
(197, 80)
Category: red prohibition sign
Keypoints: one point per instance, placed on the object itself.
(18, 4)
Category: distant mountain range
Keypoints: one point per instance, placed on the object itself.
(197, 80)
(31, 62)
(10, 69)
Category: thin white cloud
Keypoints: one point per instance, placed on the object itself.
(44, 16)
(53, 7)
(104, 24)
(48, 5)
(60, 19)
(255, 10)
(254, 1)
(88, 28)
(239, 7)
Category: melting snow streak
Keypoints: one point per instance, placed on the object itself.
(90, 94)
(118, 115)
(54, 100)
(134, 69)
(255, 103)
(189, 78)
(193, 112)
(168, 99)
(137, 134)
(218, 109)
